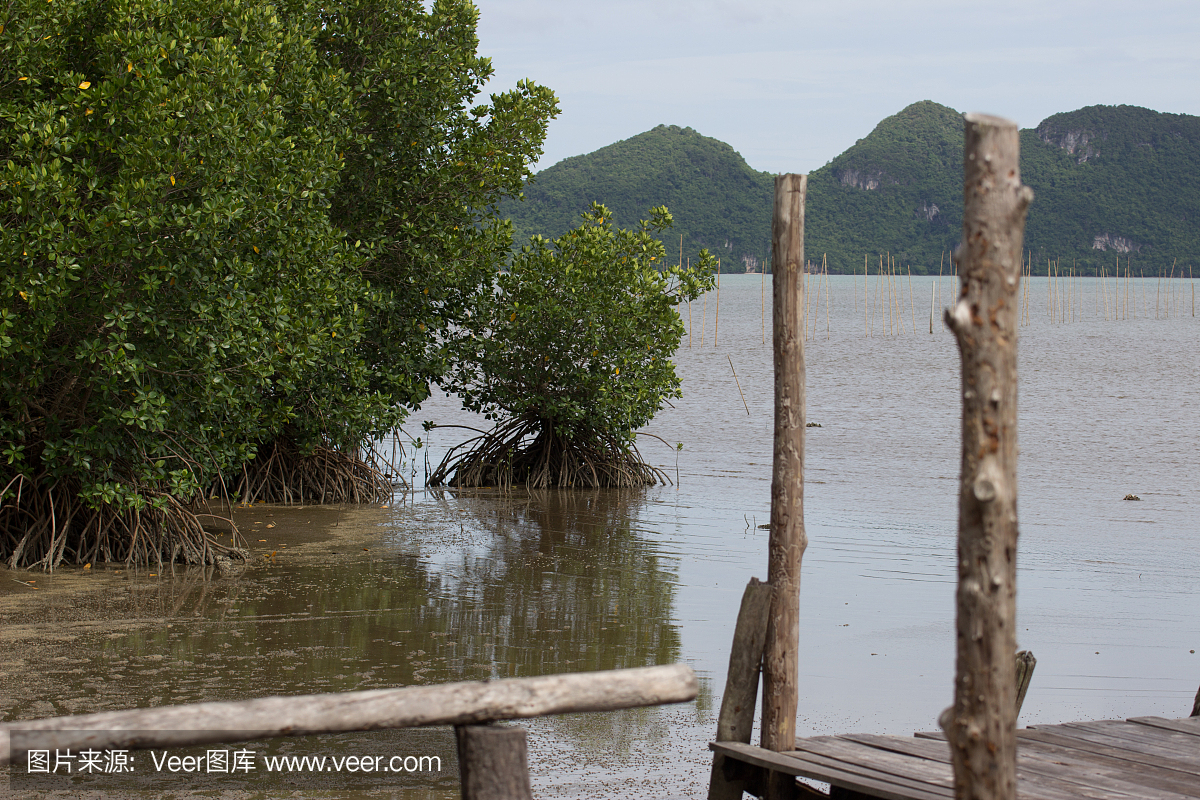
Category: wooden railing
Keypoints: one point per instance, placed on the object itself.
(492, 758)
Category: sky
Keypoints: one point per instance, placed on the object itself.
(790, 85)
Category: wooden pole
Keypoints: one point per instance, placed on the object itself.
(1024, 666)
(717, 306)
(981, 726)
(493, 762)
(735, 722)
(787, 539)
(373, 709)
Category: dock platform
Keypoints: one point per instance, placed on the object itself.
(1141, 757)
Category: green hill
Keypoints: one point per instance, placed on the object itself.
(717, 200)
(1108, 180)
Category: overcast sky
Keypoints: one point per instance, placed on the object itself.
(792, 84)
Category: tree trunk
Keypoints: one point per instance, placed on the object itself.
(981, 727)
(787, 540)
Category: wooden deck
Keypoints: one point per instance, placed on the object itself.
(1142, 757)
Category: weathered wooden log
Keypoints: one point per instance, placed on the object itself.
(735, 722)
(1196, 705)
(493, 762)
(376, 709)
(981, 726)
(787, 540)
(1025, 664)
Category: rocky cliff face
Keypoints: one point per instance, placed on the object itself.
(1119, 244)
(868, 180)
(1085, 143)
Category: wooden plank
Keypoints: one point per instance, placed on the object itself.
(1144, 747)
(1151, 756)
(1094, 776)
(375, 709)
(1119, 773)
(1044, 758)
(1190, 726)
(901, 766)
(1147, 758)
(1128, 777)
(854, 777)
(1180, 744)
(1033, 785)
(917, 748)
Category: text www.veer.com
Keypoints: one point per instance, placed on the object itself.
(352, 763)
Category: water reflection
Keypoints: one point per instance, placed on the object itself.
(567, 581)
(553, 582)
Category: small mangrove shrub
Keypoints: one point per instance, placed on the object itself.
(573, 354)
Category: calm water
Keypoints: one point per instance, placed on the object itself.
(483, 586)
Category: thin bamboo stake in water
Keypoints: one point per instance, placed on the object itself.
(1028, 284)
(816, 306)
(717, 313)
(1104, 287)
(1171, 287)
(866, 323)
(1050, 295)
(912, 303)
(807, 299)
(897, 296)
(932, 303)
(763, 301)
(854, 289)
(1125, 298)
(936, 286)
(739, 384)
(1145, 300)
(891, 299)
(1071, 294)
(828, 299)
(879, 298)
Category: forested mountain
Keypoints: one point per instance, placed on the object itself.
(1109, 181)
(716, 198)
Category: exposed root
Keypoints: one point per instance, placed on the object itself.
(531, 452)
(46, 526)
(280, 473)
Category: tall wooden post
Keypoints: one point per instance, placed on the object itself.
(787, 540)
(981, 726)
